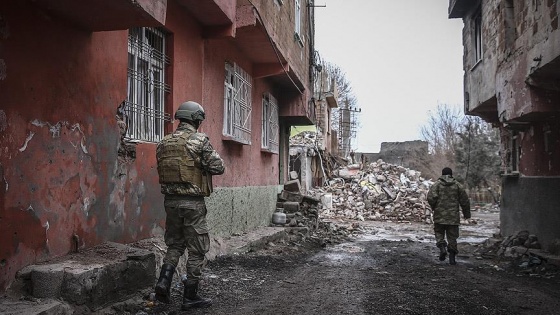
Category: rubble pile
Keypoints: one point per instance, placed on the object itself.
(513, 246)
(522, 253)
(302, 212)
(304, 138)
(381, 192)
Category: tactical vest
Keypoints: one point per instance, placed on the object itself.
(175, 164)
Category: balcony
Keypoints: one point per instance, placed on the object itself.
(107, 15)
(459, 8)
(211, 12)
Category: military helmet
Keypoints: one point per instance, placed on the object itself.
(190, 111)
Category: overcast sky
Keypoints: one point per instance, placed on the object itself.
(401, 57)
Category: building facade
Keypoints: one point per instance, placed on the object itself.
(88, 88)
(512, 73)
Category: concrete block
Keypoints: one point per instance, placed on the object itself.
(292, 186)
(291, 207)
(47, 281)
(290, 196)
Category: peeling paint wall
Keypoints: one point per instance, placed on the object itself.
(61, 182)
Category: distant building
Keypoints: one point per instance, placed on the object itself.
(409, 154)
(512, 80)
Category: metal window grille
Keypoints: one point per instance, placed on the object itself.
(269, 137)
(145, 102)
(237, 104)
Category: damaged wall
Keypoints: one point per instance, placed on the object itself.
(62, 185)
(512, 82)
(410, 154)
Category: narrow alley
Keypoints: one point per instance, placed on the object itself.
(387, 268)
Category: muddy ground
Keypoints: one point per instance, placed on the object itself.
(385, 268)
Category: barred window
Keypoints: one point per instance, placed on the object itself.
(237, 104)
(269, 137)
(147, 88)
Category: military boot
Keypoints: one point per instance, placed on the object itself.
(442, 252)
(191, 299)
(163, 286)
(452, 258)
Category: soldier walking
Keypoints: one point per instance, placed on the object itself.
(445, 197)
(186, 162)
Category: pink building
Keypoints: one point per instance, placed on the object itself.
(87, 88)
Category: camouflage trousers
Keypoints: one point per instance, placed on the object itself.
(186, 229)
(449, 232)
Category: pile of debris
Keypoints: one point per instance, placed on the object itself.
(302, 212)
(380, 192)
(513, 246)
(304, 138)
(522, 253)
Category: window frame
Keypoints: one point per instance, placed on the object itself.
(297, 17)
(269, 124)
(147, 87)
(237, 104)
(478, 51)
(298, 35)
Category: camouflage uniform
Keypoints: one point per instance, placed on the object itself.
(185, 226)
(445, 197)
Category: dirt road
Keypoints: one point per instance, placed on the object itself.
(389, 269)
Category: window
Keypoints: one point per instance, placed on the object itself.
(147, 89)
(515, 152)
(269, 137)
(297, 17)
(298, 36)
(477, 19)
(237, 104)
(509, 24)
(512, 151)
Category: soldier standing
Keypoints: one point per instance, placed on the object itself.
(445, 197)
(186, 162)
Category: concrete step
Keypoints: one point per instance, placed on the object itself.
(99, 276)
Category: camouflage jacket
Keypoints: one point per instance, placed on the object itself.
(445, 197)
(210, 161)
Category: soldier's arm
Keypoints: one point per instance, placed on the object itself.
(211, 161)
(465, 203)
(432, 196)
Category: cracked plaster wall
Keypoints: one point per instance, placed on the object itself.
(60, 178)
